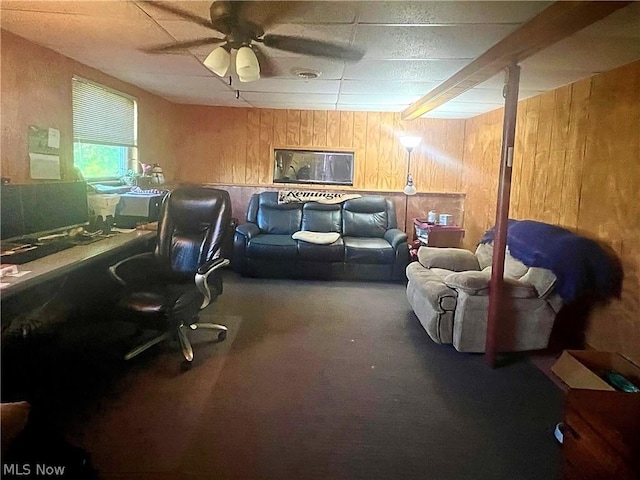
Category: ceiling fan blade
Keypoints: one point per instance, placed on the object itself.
(267, 13)
(177, 46)
(180, 13)
(267, 66)
(315, 48)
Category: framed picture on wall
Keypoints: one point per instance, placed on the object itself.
(313, 166)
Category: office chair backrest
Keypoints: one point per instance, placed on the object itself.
(192, 227)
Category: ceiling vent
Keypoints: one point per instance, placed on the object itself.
(306, 74)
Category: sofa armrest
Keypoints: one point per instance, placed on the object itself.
(248, 230)
(455, 259)
(395, 237)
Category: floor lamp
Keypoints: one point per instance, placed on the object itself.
(409, 143)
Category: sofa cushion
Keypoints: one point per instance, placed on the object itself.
(321, 253)
(365, 217)
(279, 219)
(477, 283)
(368, 250)
(272, 246)
(455, 259)
(318, 217)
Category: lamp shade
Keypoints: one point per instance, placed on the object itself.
(218, 61)
(410, 142)
(409, 188)
(247, 66)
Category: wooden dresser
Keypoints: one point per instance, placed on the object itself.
(601, 435)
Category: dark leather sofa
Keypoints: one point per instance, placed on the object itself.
(370, 247)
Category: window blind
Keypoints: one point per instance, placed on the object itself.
(102, 116)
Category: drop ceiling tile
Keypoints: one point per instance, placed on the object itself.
(287, 66)
(217, 101)
(266, 103)
(429, 42)
(183, 30)
(81, 31)
(403, 70)
(117, 61)
(339, 34)
(199, 8)
(490, 95)
(381, 99)
(451, 115)
(371, 108)
(449, 12)
(255, 97)
(269, 85)
(467, 107)
(309, 12)
(172, 85)
(587, 54)
(384, 87)
(106, 8)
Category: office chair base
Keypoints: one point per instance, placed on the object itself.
(185, 344)
(146, 346)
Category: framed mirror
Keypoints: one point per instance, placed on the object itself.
(309, 166)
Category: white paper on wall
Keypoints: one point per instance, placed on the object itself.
(53, 138)
(45, 167)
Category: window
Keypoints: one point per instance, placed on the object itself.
(313, 166)
(104, 131)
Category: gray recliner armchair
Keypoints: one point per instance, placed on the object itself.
(448, 289)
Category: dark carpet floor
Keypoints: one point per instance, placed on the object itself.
(321, 380)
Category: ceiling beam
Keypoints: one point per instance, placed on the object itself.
(556, 22)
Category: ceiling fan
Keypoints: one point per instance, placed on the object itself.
(242, 25)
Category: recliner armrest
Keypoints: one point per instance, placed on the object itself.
(395, 237)
(477, 284)
(248, 230)
(455, 259)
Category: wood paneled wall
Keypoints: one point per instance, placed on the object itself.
(234, 146)
(577, 164)
(36, 90)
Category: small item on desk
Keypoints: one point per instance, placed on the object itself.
(445, 219)
(148, 226)
(8, 270)
(431, 217)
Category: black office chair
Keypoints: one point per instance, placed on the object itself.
(166, 289)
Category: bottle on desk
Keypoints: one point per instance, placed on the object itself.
(431, 217)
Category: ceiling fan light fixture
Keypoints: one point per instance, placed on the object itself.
(218, 61)
(247, 66)
(247, 78)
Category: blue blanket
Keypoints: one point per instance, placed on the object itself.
(580, 264)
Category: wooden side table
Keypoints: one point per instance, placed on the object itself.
(437, 235)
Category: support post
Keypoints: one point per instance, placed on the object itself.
(496, 284)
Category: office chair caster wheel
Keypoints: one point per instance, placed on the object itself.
(222, 335)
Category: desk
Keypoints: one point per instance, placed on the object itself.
(64, 262)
